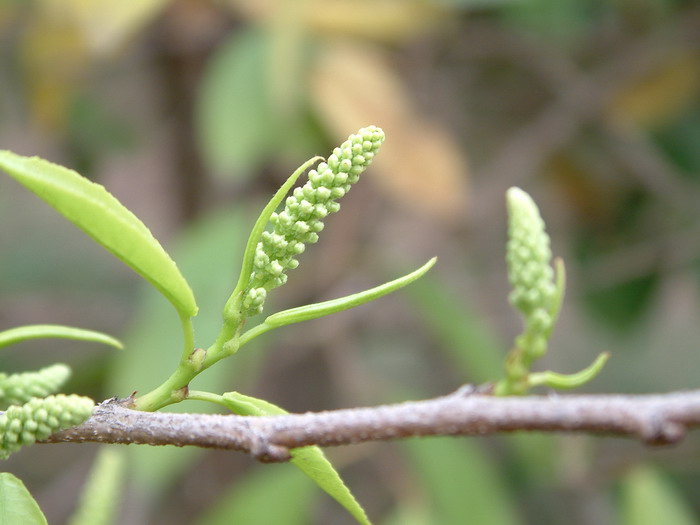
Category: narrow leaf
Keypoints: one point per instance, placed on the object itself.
(44, 331)
(310, 460)
(16, 503)
(316, 310)
(462, 483)
(100, 497)
(569, 381)
(99, 214)
(247, 499)
(649, 498)
(313, 311)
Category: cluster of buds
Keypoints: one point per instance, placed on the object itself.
(302, 218)
(530, 272)
(16, 389)
(39, 418)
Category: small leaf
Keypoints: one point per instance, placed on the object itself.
(99, 214)
(560, 285)
(16, 503)
(569, 381)
(316, 310)
(310, 460)
(43, 331)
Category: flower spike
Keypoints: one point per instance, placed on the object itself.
(530, 273)
(39, 418)
(302, 218)
(16, 389)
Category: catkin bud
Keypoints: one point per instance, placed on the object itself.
(39, 418)
(528, 255)
(16, 389)
(529, 269)
(304, 212)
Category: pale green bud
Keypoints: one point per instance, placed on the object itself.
(39, 418)
(301, 220)
(528, 256)
(534, 291)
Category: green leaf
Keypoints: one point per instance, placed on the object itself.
(150, 340)
(100, 497)
(256, 234)
(310, 460)
(43, 331)
(16, 503)
(248, 500)
(569, 381)
(316, 310)
(99, 214)
(464, 485)
(649, 499)
(235, 121)
(313, 311)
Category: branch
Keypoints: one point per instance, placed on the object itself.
(655, 419)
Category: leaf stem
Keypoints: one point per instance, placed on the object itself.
(187, 335)
(199, 395)
(193, 362)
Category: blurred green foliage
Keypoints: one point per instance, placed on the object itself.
(192, 112)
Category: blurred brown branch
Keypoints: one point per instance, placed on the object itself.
(581, 97)
(655, 419)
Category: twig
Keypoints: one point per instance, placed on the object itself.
(655, 419)
(582, 99)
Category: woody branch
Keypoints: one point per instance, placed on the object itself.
(654, 419)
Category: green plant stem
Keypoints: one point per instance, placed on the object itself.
(193, 361)
(199, 395)
(254, 332)
(172, 390)
(187, 335)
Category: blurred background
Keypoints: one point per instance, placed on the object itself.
(192, 113)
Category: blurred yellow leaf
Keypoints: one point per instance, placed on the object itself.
(107, 24)
(286, 33)
(420, 165)
(60, 36)
(659, 96)
(380, 20)
(53, 59)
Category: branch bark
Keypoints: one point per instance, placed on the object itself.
(657, 419)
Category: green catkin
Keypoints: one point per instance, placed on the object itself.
(39, 418)
(302, 218)
(16, 389)
(530, 273)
